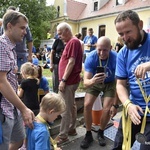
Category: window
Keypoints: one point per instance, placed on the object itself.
(95, 6)
(119, 2)
(58, 11)
(102, 29)
(84, 32)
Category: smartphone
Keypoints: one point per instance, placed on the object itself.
(100, 69)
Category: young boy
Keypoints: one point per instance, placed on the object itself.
(51, 106)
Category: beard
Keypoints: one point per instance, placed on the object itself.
(134, 44)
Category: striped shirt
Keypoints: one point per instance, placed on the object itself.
(8, 63)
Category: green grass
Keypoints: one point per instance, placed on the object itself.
(47, 73)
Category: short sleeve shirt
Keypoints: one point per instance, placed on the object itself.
(127, 61)
(8, 63)
(92, 61)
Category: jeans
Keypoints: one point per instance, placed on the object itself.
(21, 61)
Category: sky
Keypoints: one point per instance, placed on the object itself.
(49, 2)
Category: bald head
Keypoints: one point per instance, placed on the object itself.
(103, 47)
(104, 41)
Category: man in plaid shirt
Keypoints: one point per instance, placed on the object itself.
(11, 107)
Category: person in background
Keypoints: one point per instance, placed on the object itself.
(55, 55)
(51, 106)
(89, 43)
(119, 44)
(35, 60)
(46, 48)
(48, 35)
(34, 50)
(133, 81)
(12, 109)
(79, 36)
(28, 89)
(70, 67)
(97, 81)
(43, 82)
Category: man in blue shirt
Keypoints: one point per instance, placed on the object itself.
(99, 82)
(133, 66)
(89, 43)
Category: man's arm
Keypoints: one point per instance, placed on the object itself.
(67, 73)
(90, 80)
(51, 60)
(30, 45)
(141, 70)
(132, 109)
(12, 97)
(121, 87)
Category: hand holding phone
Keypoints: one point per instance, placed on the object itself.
(100, 69)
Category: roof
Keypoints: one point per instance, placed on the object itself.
(80, 11)
(75, 9)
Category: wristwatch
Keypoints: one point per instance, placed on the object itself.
(63, 80)
(116, 106)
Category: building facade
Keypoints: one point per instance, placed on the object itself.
(98, 14)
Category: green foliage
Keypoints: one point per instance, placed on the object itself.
(38, 13)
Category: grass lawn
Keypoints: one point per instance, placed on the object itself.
(47, 73)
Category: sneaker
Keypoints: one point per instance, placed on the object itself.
(72, 132)
(86, 141)
(101, 139)
(60, 141)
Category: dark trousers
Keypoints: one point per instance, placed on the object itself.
(135, 129)
(55, 78)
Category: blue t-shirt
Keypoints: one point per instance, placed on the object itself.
(90, 40)
(127, 61)
(38, 138)
(44, 84)
(21, 47)
(92, 61)
(35, 61)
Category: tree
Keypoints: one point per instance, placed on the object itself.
(38, 13)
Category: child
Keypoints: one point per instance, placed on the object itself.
(51, 106)
(28, 90)
(43, 83)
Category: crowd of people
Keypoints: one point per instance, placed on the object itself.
(120, 75)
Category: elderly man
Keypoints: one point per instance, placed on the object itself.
(70, 66)
(95, 82)
(11, 124)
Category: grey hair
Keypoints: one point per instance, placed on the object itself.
(63, 26)
(13, 18)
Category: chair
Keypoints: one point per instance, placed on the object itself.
(41, 93)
